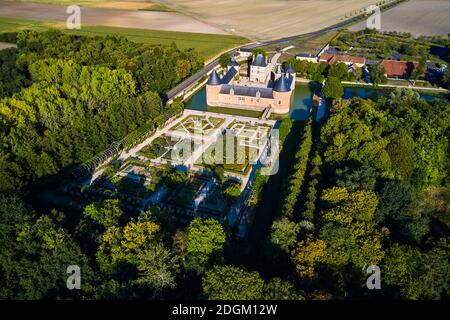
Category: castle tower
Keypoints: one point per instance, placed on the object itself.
(278, 72)
(259, 70)
(292, 73)
(213, 86)
(282, 94)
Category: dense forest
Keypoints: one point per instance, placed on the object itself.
(66, 98)
(369, 184)
(369, 187)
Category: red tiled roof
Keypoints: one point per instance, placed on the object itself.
(402, 69)
(335, 58)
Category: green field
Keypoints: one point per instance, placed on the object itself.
(207, 44)
(235, 112)
(124, 5)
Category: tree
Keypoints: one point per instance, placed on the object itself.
(420, 70)
(125, 244)
(284, 234)
(297, 177)
(157, 268)
(401, 149)
(413, 274)
(363, 177)
(308, 255)
(232, 193)
(400, 208)
(333, 88)
(257, 51)
(377, 74)
(232, 283)
(106, 213)
(34, 254)
(339, 71)
(278, 289)
(354, 214)
(224, 60)
(205, 238)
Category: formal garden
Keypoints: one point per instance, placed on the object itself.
(169, 148)
(195, 124)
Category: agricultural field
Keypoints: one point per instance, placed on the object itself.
(123, 5)
(418, 17)
(271, 19)
(142, 19)
(207, 44)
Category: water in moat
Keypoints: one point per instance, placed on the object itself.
(302, 99)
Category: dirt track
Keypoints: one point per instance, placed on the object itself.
(419, 17)
(170, 21)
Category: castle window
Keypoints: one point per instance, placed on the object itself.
(279, 101)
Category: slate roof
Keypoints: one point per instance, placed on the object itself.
(259, 61)
(229, 75)
(233, 63)
(278, 69)
(290, 69)
(214, 79)
(247, 91)
(309, 55)
(283, 84)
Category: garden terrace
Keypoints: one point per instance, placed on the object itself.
(194, 124)
(237, 159)
(165, 147)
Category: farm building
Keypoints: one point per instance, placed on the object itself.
(348, 60)
(398, 69)
(307, 57)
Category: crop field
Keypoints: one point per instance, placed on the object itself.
(124, 4)
(270, 19)
(143, 19)
(207, 44)
(418, 17)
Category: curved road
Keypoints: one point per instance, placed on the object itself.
(213, 64)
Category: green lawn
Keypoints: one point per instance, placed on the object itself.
(235, 112)
(207, 44)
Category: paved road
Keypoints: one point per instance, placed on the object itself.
(213, 64)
